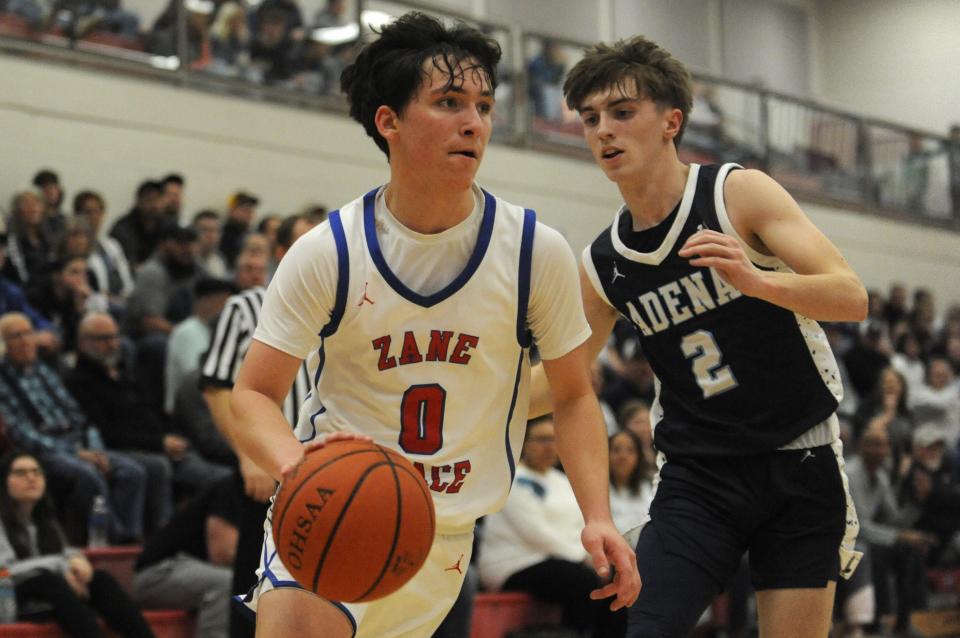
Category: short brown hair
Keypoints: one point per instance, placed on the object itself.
(655, 73)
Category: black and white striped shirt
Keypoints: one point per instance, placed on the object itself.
(229, 345)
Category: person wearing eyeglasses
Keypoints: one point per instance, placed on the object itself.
(51, 579)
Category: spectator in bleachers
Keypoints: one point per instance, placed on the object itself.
(207, 225)
(916, 174)
(111, 389)
(30, 10)
(866, 358)
(896, 548)
(907, 360)
(242, 210)
(273, 50)
(191, 337)
(628, 375)
(923, 318)
(138, 232)
(631, 489)
(109, 270)
(288, 10)
(533, 543)
(65, 296)
(76, 241)
(545, 79)
(230, 36)
(79, 18)
(251, 270)
(192, 417)
(163, 39)
(163, 292)
(46, 572)
(172, 196)
(43, 418)
(596, 381)
(634, 417)
(939, 397)
(930, 487)
(333, 14)
(187, 564)
(951, 352)
(48, 183)
(12, 299)
(30, 248)
(886, 408)
(268, 228)
(895, 308)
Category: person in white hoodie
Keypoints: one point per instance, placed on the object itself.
(533, 543)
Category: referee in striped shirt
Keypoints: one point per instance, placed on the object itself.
(229, 345)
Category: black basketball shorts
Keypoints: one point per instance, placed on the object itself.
(786, 509)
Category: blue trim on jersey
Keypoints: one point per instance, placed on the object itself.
(373, 245)
(346, 612)
(524, 338)
(343, 274)
(513, 404)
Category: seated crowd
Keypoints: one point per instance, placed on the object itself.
(103, 331)
(269, 42)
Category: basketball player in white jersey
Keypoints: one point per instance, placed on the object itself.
(724, 278)
(415, 306)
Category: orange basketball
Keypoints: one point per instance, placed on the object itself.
(354, 522)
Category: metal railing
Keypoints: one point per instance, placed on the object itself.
(264, 53)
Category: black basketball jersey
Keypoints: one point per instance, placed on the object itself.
(735, 374)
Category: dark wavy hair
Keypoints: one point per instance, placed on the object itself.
(637, 65)
(50, 536)
(636, 476)
(390, 70)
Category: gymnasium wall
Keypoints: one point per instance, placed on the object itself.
(109, 132)
(892, 59)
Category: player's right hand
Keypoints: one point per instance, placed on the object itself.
(316, 444)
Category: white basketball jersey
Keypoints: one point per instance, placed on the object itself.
(442, 378)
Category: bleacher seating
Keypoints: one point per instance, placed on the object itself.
(496, 613)
(119, 562)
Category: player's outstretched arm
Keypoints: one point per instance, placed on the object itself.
(582, 445)
(601, 317)
(822, 285)
(258, 427)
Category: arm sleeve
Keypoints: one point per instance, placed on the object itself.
(228, 345)
(19, 569)
(22, 433)
(555, 314)
(301, 296)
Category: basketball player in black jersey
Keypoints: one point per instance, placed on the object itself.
(724, 278)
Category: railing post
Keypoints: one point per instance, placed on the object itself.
(868, 186)
(764, 127)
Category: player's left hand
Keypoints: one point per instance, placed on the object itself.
(723, 253)
(605, 545)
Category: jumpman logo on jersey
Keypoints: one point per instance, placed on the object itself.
(616, 273)
(456, 566)
(365, 297)
(807, 454)
(699, 227)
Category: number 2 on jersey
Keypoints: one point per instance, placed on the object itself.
(712, 377)
(421, 418)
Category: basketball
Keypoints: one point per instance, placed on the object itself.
(353, 522)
